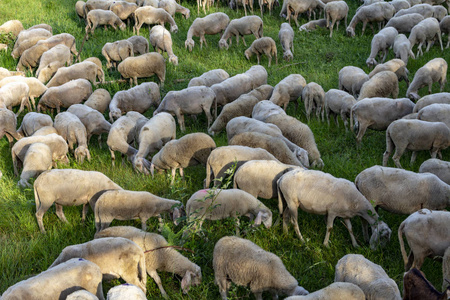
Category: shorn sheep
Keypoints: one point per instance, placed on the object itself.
(286, 37)
(381, 42)
(38, 159)
(376, 12)
(338, 103)
(144, 65)
(288, 89)
(161, 40)
(335, 12)
(98, 17)
(433, 71)
(8, 123)
(241, 27)
(402, 48)
(438, 167)
(211, 24)
(263, 45)
(314, 97)
(245, 263)
(425, 32)
(209, 78)
(351, 80)
(150, 15)
(382, 84)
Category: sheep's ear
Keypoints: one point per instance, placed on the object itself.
(176, 215)
(258, 219)
(186, 281)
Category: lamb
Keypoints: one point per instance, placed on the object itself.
(191, 101)
(242, 26)
(335, 12)
(286, 37)
(336, 290)
(427, 235)
(245, 263)
(242, 106)
(153, 135)
(328, 189)
(158, 257)
(123, 9)
(117, 258)
(299, 7)
(116, 52)
(378, 113)
(338, 102)
(425, 32)
(381, 42)
(402, 49)
(416, 286)
(351, 80)
(140, 44)
(171, 6)
(437, 167)
(444, 26)
(415, 135)
(382, 84)
(144, 65)
(139, 98)
(426, 10)
(288, 89)
(150, 15)
(376, 12)
(314, 24)
(263, 45)
(36, 87)
(211, 24)
(161, 40)
(430, 99)
(433, 71)
(13, 26)
(32, 122)
(38, 159)
(73, 131)
(314, 97)
(99, 100)
(436, 112)
(8, 123)
(209, 78)
(65, 95)
(27, 39)
(78, 273)
(13, 94)
(368, 276)
(190, 150)
(93, 120)
(51, 61)
(97, 17)
(86, 70)
(405, 23)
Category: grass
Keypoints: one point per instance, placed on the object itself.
(27, 252)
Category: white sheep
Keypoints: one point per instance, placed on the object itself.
(235, 3)
(425, 32)
(8, 123)
(335, 12)
(262, 45)
(38, 159)
(80, 10)
(444, 25)
(211, 24)
(430, 99)
(437, 112)
(370, 277)
(241, 27)
(351, 79)
(335, 291)
(381, 42)
(405, 23)
(161, 40)
(140, 44)
(338, 103)
(97, 4)
(99, 100)
(382, 84)
(125, 291)
(36, 87)
(426, 10)
(288, 89)
(14, 94)
(150, 15)
(82, 294)
(46, 130)
(314, 97)
(209, 78)
(314, 24)
(7, 73)
(123, 9)
(13, 26)
(32, 122)
(98, 17)
(144, 65)
(376, 12)
(116, 52)
(86, 70)
(244, 263)
(172, 7)
(400, 4)
(402, 48)
(286, 37)
(437, 167)
(51, 60)
(27, 39)
(298, 7)
(433, 71)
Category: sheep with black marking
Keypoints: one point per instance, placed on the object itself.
(211, 24)
(433, 71)
(417, 287)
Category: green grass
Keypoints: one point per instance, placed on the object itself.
(26, 252)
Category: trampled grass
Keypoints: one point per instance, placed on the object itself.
(26, 252)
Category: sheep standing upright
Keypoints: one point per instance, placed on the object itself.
(335, 12)
(8, 123)
(38, 159)
(314, 97)
(425, 32)
(288, 89)
(433, 71)
(161, 40)
(376, 12)
(402, 48)
(211, 24)
(263, 45)
(240, 27)
(351, 79)
(381, 42)
(338, 102)
(116, 52)
(150, 15)
(438, 167)
(98, 17)
(382, 84)
(144, 65)
(286, 37)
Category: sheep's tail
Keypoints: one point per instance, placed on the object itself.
(351, 119)
(37, 199)
(97, 218)
(281, 198)
(208, 175)
(402, 244)
(389, 147)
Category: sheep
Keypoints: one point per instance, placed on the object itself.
(117, 258)
(235, 3)
(444, 26)
(65, 95)
(382, 84)
(96, 60)
(241, 27)
(190, 150)
(378, 113)
(51, 60)
(232, 88)
(211, 24)
(99, 100)
(171, 6)
(140, 44)
(161, 40)
(13, 26)
(335, 12)
(27, 39)
(36, 87)
(93, 120)
(351, 80)
(405, 23)
(416, 286)
(8, 123)
(97, 17)
(376, 12)
(338, 102)
(425, 32)
(244, 263)
(402, 49)
(430, 99)
(436, 112)
(80, 10)
(336, 290)
(288, 89)
(97, 4)
(368, 276)
(32, 122)
(86, 70)
(42, 25)
(123, 9)
(191, 101)
(116, 52)
(38, 158)
(6, 73)
(242, 106)
(427, 234)
(13, 94)
(209, 78)
(258, 75)
(125, 291)
(299, 7)
(426, 10)
(446, 269)
(314, 97)
(78, 273)
(263, 45)
(158, 256)
(381, 42)
(314, 24)
(440, 12)
(286, 37)
(437, 167)
(400, 4)
(153, 135)
(81, 294)
(46, 130)
(150, 15)
(144, 65)
(433, 71)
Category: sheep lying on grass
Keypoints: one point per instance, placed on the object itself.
(313, 25)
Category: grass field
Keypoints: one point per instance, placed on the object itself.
(26, 252)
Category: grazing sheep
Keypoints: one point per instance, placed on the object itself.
(144, 65)
(298, 7)
(51, 60)
(351, 80)
(340, 103)
(65, 95)
(263, 45)
(116, 52)
(117, 258)
(193, 100)
(38, 159)
(416, 287)
(171, 6)
(81, 294)
(241, 27)
(440, 12)
(381, 84)
(286, 37)
(368, 276)
(97, 17)
(288, 89)
(36, 87)
(335, 12)
(336, 291)
(425, 32)
(158, 256)
(444, 26)
(99, 100)
(73, 131)
(78, 273)
(6, 73)
(27, 39)
(150, 15)
(430, 99)
(427, 234)
(8, 123)
(313, 25)
(376, 12)
(32, 122)
(400, 4)
(123, 9)
(402, 49)
(433, 71)
(405, 23)
(258, 75)
(129, 205)
(437, 167)
(86, 70)
(244, 263)
(378, 113)
(381, 42)
(140, 44)
(436, 112)
(139, 98)
(13, 26)
(14, 94)
(97, 4)
(125, 291)
(211, 24)
(161, 40)
(46, 130)
(426, 10)
(314, 97)
(232, 88)
(80, 10)
(321, 193)
(415, 135)
(96, 60)
(209, 78)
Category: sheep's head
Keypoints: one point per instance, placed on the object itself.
(381, 234)
(189, 43)
(191, 279)
(223, 44)
(15, 53)
(81, 152)
(174, 60)
(287, 55)
(302, 156)
(318, 163)
(174, 28)
(350, 31)
(187, 14)
(248, 53)
(304, 27)
(114, 114)
(299, 291)
(265, 217)
(413, 96)
(142, 165)
(371, 62)
(122, 26)
(22, 183)
(47, 72)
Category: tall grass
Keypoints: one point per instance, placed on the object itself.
(26, 252)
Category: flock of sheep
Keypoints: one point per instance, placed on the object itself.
(270, 150)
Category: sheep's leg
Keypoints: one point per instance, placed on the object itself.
(365, 229)
(243, 40)
(296, 19)
(153, 274)
(330, 220)
(331, 27)
(350, 231)
(293, 213)
(113, 157)
(434, 152)
(364, 27)
(60, 213)
(144, 223)
(418, 259)
(257, 57)
(84, 212)
(180, 119)
(222, 283)
(285, 220)
(361, 132)
(174, 171)
(413, 157)
(258, 295)
(397, 155)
